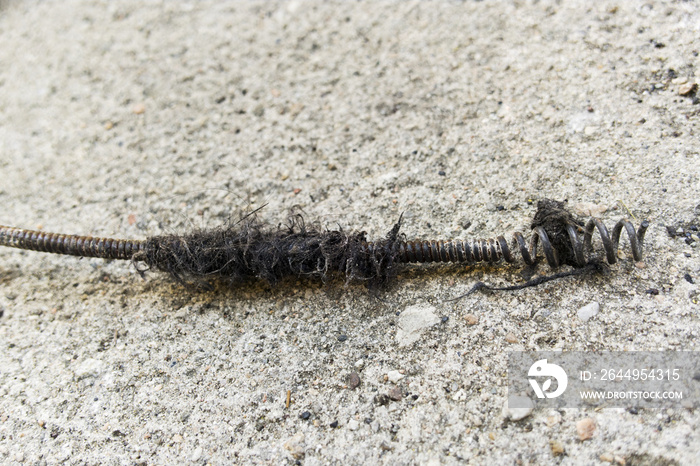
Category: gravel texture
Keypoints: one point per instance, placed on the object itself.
(133, 119)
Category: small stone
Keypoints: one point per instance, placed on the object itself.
(557, 447)
(295, 446)
(553, 420)
(138, 109)
(395, 394)
(305, 415)
(196, 454)
(382, 399)
(333, 424)
(359, 364)
(413, 321)
(353, 424)
(516, 414)
(177, 438)
(687, 89)
(353, 380)
(259, 111)
(471, 319)
(89, 368)
(588, 311)
(607, 457)
(511, 338)
(394, 376)
(585, 428)
(590, 130)
(589, 209)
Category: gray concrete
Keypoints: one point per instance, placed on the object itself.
(131, 119)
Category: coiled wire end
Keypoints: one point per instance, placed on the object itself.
(495, 249)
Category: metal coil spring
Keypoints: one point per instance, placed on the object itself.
(73, 245)
(493, 250)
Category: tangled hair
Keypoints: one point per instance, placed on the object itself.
(253, 250)
(554, 218)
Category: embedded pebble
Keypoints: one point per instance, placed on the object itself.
(295, 446)
(353, 424)
(382, 399)
(471, 319)
(557, 447)
(413, 321)
(353, 380)
(511, 337)
(395, 394)
(553, 419)
(394, 376)
(516, 414)
(197, 454)
(589, 209)
(585, 428)
(588, 311)
(590, 130)
(89, 368)
(687, 89)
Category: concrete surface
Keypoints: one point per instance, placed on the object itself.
(137, 118)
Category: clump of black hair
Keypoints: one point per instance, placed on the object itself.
(554, 218)
(251, 250)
